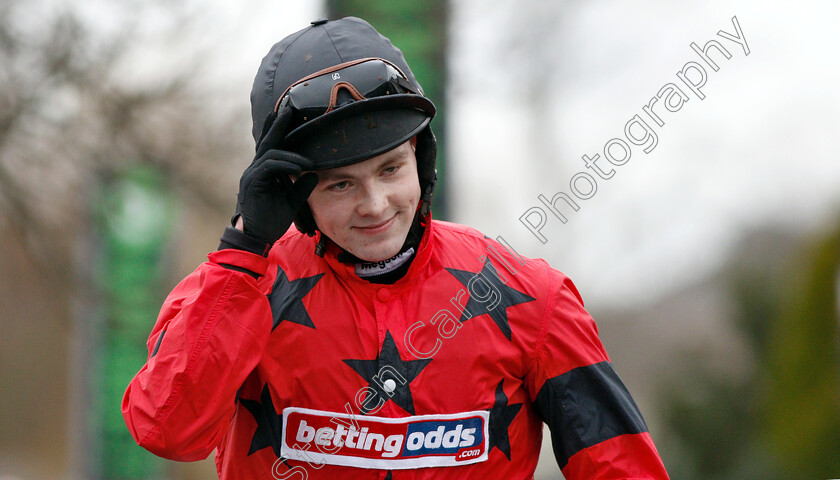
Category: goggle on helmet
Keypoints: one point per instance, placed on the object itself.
(353, 111)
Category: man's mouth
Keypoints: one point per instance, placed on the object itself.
(376, 227)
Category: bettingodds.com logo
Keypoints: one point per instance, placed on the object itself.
(385, 443)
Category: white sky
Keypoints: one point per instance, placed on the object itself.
(759, 149)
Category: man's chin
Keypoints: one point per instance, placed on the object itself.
(378, 251)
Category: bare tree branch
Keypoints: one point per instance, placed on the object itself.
(71, 113)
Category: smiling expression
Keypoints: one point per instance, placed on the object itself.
(367, 208)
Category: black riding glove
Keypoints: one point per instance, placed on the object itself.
(268, 200)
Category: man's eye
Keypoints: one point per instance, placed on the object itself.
(339, 186)
(391, 169)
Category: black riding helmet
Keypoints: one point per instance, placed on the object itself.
(352, 96)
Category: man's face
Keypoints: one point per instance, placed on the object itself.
(367, 208)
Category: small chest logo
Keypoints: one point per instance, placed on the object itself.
(385, 443)
(336, 76)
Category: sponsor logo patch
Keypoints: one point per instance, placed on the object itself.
(320, 437)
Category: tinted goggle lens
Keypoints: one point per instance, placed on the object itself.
(334, 87)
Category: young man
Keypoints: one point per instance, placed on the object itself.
(371, 342)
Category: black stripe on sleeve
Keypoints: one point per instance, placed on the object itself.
(157, 344)
(240, 269)
(586, 406)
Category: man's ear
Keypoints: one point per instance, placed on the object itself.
(414, 143)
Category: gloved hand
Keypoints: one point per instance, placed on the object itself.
(268, 200)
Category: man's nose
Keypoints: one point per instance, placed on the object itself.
(373, 202)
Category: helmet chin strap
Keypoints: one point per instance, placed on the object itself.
(321, 246)
(426, 199)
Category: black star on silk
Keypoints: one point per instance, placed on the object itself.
(286, 299)
(269, 424)
(493, 301)
(381, 369)
(501, 416)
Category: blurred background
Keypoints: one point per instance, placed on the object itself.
(710, 261)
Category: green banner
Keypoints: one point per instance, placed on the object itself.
(418, 28)
(136, 222)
